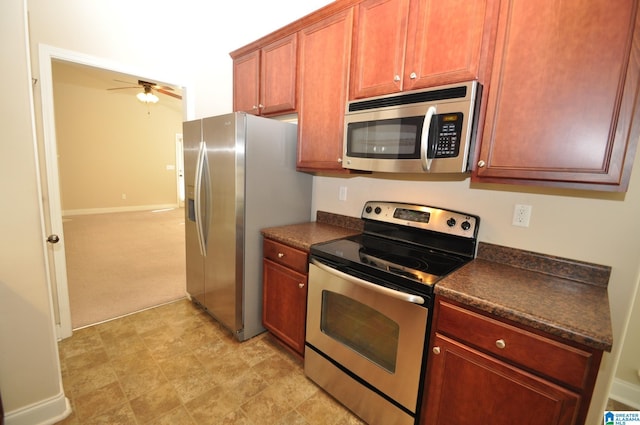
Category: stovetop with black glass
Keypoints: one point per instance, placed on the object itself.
(407, 247)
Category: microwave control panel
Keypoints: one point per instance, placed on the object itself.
(446, 136)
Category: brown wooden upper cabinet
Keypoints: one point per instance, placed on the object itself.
(402, 45)
(324, 58)
(563, 107)
(264, 80)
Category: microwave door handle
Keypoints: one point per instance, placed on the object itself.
(402, 296)
(425, 137)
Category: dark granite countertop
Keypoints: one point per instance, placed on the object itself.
(326, 227)
(561, 297)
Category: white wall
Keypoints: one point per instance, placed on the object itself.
(625, 387)
(111, 146)
(188, 43)
(30, 379)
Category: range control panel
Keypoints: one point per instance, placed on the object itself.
(423, 217)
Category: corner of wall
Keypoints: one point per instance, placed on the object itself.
(626, 393)
(45, 412)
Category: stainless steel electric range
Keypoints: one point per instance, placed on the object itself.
(369, 305)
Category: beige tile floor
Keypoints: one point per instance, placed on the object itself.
(174, 365)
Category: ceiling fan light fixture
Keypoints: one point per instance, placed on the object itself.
(147, 97)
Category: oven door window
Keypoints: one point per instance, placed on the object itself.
(361, 328)
(397, 138)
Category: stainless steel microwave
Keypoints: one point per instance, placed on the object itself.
(422, 131)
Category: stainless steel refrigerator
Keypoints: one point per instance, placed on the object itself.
(240, 176)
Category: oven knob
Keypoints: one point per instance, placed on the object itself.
(451, 222)
(465, 225)
(378, 210)
(368, 209)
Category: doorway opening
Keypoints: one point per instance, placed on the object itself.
(85, 175)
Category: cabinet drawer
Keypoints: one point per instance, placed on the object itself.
(286, 255)
(538, 354)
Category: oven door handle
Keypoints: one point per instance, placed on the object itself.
(403, 296)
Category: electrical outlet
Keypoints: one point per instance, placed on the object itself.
(521, 215)
(124, 196)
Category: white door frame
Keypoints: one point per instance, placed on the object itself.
(180, 168)
(58, 280)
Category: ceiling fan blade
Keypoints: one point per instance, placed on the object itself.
(148, 85)
(120, 88)
(168, 93)
(131, 83)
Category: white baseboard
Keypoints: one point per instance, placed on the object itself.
(626, 393)
(46, 412)
(87, 211)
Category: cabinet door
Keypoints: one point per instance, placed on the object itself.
(324, 52)
(278, 77)
(378, 47)
(563, 95)
(284, 308)
(466, 387)
(446, 41)
(246, 83)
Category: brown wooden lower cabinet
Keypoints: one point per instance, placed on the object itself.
(470, 387)
(482, 370)
(284, 299)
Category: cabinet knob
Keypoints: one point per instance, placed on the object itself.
(501, 344)
(260, 105)
(301, 285)
(481, 163)
(396, 78)
(255, 107)
(339, 160)
(413, 75)
(280, 254)
(436, 350)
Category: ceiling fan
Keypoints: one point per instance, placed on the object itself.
(147, 95)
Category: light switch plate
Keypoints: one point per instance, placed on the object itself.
(342, 195)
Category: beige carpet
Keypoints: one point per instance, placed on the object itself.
(121, 263)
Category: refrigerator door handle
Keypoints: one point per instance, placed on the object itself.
(200, 165)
